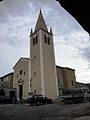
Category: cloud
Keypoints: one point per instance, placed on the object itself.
(85, 53)
(10, 55)
(13, 8)
(19, 7)
(78, 40)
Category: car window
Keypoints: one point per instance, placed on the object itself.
(41, 96)
(35, 96)
(29, 96)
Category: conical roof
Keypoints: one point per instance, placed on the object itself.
(41, 23)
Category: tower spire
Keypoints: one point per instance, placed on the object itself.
(41, 22)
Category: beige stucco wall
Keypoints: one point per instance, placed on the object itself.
(22, 64)
(60, 78)
(67, 75)
(49, 67)
(46, 69)
(69, 78)
(35, 64)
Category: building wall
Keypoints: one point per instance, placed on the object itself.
(69, 78)
(35, 63)
(66, 78)
(21, 77)
(6, 84)
(60, 79)
(43, 65)
(82, 85)
(7, 81)
(49, 67)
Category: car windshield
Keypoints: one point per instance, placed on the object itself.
(30, 96)
(66, 91)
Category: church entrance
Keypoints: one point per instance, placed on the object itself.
(20, 91)
(20, 84)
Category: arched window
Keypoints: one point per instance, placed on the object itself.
(20, 72)
(35, 40)
(48, 41)
(45, 39)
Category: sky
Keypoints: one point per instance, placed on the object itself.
(71, 41)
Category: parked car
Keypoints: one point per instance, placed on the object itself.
(5, 100)
(38, 99)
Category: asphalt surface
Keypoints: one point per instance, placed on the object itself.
(55, 111)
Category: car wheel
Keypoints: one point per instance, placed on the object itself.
(31, 104)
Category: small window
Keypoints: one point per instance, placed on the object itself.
(24, 72)
(45, 39)
(20, 72)
(17, 76)
(72, 82)
(34, 73)
(34, 57)
(33, 41)
(2, 80)
(48, 40)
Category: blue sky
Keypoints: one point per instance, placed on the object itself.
(71, 42)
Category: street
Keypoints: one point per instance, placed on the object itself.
(55, 111)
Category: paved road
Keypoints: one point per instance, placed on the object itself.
(54, 111)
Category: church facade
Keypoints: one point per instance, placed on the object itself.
(21, 78)
(23, 83)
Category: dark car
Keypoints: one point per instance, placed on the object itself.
(5, 100)
(38, 99)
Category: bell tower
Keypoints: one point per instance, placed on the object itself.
(42, 60)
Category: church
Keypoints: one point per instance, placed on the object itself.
(39, 73)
